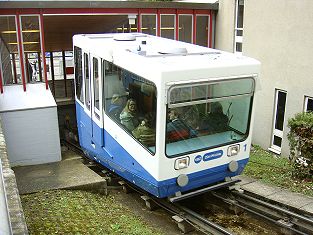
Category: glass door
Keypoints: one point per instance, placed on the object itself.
(278, 125)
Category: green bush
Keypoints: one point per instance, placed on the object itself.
(301, 144)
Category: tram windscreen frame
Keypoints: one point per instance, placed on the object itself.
(203, 116)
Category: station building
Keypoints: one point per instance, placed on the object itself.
(36, 47)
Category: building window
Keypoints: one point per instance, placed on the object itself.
(148, 24)
(9, 56)
(202, 30)
(32, 47)
(239, 26)
(185, 28)
(168, 26)
(308, 104)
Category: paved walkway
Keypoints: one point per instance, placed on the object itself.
(68, 173)
(295, 200)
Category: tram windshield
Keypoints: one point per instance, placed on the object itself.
(207, 115)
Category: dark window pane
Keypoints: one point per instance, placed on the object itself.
(87, 83)
(277, 141)
(167, 26)
(202, 30)
(280, 114)
(185, 28)
(238, 47)
(240, 14)
(148, 24)
(78, 73)
(309, 106)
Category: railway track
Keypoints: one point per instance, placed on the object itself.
(289, 221)
(186, 219)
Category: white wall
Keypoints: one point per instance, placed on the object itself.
(279, 34)
(225, 21)
(32, 136)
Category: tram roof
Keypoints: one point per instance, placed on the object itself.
(159, 54)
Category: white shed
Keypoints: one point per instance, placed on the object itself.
(30, 124)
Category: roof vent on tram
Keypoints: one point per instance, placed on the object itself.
(174, 51)
(124, 37)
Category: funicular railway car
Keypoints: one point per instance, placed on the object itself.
(170, 117)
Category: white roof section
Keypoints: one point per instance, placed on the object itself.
(36, 96)
(159, 54)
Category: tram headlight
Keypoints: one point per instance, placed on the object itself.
(233, 150)
(181, 163)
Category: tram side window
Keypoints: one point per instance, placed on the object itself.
(96, 80)
(131, 103)
(78, 73)
(87, 81)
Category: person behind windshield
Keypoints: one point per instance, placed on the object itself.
(176, 129)
(128, 116)
(216, 120)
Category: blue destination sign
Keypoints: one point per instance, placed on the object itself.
(208, 156)
(212, 155)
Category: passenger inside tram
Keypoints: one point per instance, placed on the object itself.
(215, 121)
(116, 107)
(176, 129)
(145, 132)
(129, 116)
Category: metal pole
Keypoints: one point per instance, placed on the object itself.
(14, 68)
(64, 72)
(43, 50)
(20, 46)
(52, 73)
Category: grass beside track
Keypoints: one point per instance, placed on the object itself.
(80, 212)
(275, 170)
(85, 212)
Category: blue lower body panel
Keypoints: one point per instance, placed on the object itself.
(109, 153)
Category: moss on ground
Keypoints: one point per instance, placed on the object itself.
(277, 171)
(80, 212)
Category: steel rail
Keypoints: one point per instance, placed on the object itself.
(197, 221)
(274, 214)
(277, 208)
(211, 226)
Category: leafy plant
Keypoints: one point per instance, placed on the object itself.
(301, 144)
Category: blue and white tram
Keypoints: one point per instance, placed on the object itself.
(168, 116)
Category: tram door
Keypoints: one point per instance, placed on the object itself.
(87, 122)
(96, 114)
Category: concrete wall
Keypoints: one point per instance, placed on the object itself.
(225, 21)
(279, 34)
(11, 210)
